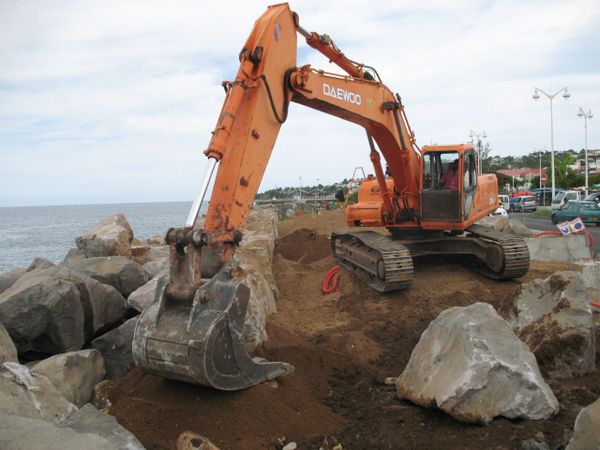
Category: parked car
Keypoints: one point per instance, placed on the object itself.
(523, 204)
(562, 198)
(589, 212)
(594, 197)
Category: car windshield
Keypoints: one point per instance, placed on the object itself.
(558, 198)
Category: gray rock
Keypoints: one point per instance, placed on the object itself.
(44, 314)
(498, 223)
(252, 265)
(74, 258)
(514, 226)
(155, 268)
(74, 374)
(40, 264)
(117, 271)
(115, 347)
(21, 433)
(7, 279)
(145, 295)
(89, 420)
(111, 237)
(573, 247)
(590, 272)
(8, 351)
(554, 318)
(470, 364)
(27, 394)
(586, 433)
(103, 305)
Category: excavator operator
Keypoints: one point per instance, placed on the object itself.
(450, 180)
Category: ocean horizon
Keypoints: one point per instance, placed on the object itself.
(49, 232)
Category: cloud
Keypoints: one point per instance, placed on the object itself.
(115, 101)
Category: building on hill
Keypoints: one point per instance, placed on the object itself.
(521, 178)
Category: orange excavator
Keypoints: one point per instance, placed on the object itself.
(428, 203)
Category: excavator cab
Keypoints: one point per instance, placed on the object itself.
(449, 182)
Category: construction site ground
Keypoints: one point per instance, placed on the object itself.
(343, 346)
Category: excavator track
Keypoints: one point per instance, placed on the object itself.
(387, 263)
(514, 249)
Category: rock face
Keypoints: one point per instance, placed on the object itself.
(89, 420)
(8, 351)
(115, 347)
(55, 309)
(470, 364)
(34, 415)
(26, 394)
(111, 237)
(44, 314)
(558, 248)
(554, 318)
(145, 295)
(586, 433)
(252, 266)
(117, 271)
(74, 374)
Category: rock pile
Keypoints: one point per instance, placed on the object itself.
(55, 311)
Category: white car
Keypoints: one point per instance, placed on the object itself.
(499, 212)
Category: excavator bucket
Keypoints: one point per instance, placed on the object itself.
(202, 343)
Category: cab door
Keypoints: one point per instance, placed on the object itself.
(469, 180)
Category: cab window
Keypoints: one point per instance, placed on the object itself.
(440, 170)
(470, 176)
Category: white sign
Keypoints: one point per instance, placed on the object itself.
(574, 226)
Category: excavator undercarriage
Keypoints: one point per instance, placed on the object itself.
(387, 260)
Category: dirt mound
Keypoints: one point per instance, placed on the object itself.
(304, 245)
(343, 346)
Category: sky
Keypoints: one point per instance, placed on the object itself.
(114, 101)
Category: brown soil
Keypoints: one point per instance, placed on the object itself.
(343, 346)
(303, 245)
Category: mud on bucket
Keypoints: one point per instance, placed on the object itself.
(201, 343)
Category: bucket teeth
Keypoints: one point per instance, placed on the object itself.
(202, 343)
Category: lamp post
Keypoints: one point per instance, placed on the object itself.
(478, 136)
(586, 115)
(535, 96)
(300, 191)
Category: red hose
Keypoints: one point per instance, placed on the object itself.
(331, 280)
(595, 304)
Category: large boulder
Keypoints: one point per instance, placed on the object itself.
(91, 421)
(8, 351)
(27, 394)
(573, 247)
(117, 271)
(470, 364)
(115, 347)
(74, 374)
(586, 433)
(516, 227)
(22, 433)
(554, 318)
(155, 268)
(590, 272)
(102, 305)
(498, 223)
(111, 237)
(43, 313)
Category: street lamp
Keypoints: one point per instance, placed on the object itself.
(535, 96)
(479, 136)
(586, 115)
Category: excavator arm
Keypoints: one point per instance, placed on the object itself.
(193, 331)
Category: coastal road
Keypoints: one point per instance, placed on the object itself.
(546, 225)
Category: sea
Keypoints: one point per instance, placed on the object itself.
(29, 232)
